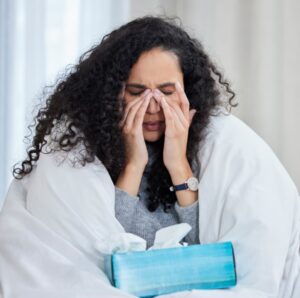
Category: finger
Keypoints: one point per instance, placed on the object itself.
(184, 102)
(175, 107)
(140, 114)
(132, 112)
(179, 113)
(128, 120)
(179, 120)
(157, 95)
(134, 101)
(167, 110)
(132, 104)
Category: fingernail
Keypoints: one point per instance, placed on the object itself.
(156, 92)
(148, 95)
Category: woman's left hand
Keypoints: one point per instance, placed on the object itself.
(178, 118)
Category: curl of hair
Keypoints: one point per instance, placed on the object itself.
(89, 98)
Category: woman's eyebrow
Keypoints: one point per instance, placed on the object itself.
(140, 86)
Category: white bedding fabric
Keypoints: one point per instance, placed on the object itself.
(54, 220)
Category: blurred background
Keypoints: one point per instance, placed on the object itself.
(255, 43)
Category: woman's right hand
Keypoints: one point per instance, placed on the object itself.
(132, 129)
(136, 151)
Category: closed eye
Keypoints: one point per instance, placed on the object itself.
(140, 92)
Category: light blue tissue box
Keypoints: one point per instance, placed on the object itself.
(155, 272)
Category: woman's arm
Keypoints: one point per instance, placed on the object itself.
(136, 150)
(178, 118)
(179, 175)
(125, 206)
(130, 179)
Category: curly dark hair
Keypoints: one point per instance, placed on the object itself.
(89, 97)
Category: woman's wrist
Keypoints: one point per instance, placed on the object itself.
(178, 176)
(180, 172)
(130, 179)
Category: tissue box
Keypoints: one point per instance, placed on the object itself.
(162, 271)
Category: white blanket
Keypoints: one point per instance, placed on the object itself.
(55, 219)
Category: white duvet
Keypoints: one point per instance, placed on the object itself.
(54, 221)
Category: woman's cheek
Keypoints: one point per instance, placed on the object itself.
(128, 98)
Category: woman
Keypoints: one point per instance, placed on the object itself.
(137, 138)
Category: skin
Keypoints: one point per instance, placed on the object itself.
(155, 105)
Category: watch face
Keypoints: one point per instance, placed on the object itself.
(193, 183)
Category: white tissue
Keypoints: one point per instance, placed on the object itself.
(170, 236)
(126, 242)
(122, 242)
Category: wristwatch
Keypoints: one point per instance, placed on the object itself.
(190, 184)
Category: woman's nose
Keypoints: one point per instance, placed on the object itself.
(153, 106)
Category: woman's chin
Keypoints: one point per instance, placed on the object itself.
(152, 136)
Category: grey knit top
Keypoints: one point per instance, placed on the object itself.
(133, 214)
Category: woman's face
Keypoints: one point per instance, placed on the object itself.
(155, 69)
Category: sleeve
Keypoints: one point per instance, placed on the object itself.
(190, 215)
(125, 205)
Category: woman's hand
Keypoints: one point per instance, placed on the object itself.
(136, 151)
(177, 119)
(132, 128)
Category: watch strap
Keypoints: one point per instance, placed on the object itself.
(182, 186)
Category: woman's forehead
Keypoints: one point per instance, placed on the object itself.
(155, 67)
(142, 86)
